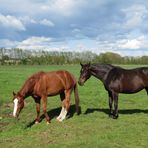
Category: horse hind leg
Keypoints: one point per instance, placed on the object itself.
(62, 115)
(65, 105)
(62, 96)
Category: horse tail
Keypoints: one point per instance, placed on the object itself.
(76, 98)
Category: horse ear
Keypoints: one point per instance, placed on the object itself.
(14, 93)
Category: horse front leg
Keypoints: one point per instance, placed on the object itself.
(65, 105)
(110, 104)
(44, 100)
(37, 101)
(115, 114)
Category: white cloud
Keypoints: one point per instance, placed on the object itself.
(141, 42)
(135, 15)
(126, 46)
(45, 8)
(47, 23)
(27, 20)
(62, 7)
(35, 43)
(131, 44)
(11, 22)
(8, 43)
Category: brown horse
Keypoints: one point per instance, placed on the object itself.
(116, 80)
(44, 84)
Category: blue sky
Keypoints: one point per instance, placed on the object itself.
(75, 25)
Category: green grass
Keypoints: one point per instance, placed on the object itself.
(93, 128)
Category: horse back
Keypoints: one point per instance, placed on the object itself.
(127, 80)
(53, 83)
(67, 78)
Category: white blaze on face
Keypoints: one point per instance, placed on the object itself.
(15, 107)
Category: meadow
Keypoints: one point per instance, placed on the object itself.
(92, 128)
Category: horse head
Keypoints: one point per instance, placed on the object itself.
(18, 101)
(84, 73)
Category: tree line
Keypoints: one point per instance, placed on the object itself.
(17, 56)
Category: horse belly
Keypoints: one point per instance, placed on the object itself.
(55, 89)
(130, 91)
(132, 86)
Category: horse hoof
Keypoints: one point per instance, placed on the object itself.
(59, 120)
(115, 116)
(110, 115)
(47, 122)
(36, 122)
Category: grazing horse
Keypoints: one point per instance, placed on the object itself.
(44, 84)
(116, 80)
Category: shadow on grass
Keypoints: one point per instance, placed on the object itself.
(124, 111)
(54, 113)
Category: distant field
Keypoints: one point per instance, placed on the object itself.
(93, 128)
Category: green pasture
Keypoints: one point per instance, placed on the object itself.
(92, 128)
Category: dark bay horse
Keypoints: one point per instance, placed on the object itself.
(116, 80)
(44, 84)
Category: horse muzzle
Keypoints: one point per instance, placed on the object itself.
(15, 115)
(81, 83)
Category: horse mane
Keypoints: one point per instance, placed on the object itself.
(106, 66)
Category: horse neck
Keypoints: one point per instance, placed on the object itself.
(26, 90)
(100, 71)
